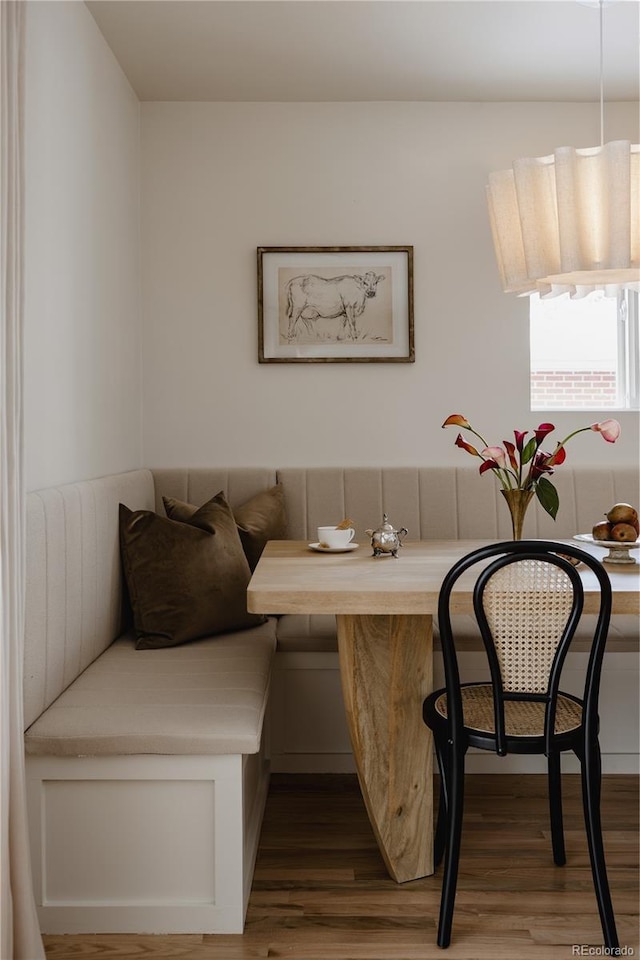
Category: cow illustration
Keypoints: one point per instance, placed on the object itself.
(310, 297)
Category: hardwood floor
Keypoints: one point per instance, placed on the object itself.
(321, 891)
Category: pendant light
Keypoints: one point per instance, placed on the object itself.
(569, 222)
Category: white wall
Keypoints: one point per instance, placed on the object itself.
(82, 336)
(218, 180)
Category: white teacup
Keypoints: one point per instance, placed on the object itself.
(333, 538)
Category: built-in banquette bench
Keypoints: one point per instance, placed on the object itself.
(148, 768)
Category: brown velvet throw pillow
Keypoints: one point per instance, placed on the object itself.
(261, 518)
(185, 579)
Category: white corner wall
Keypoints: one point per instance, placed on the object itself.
(220, 179)
(82, 327)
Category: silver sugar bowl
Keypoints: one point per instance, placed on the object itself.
(386, 540)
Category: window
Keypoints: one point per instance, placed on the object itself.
(585, 353)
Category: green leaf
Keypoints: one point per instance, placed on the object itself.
(529, 450)
(548, 496)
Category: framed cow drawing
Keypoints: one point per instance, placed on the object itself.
(335, 305)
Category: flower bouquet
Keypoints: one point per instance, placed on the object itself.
(522, 467)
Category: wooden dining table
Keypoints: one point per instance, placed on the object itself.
(384, 607)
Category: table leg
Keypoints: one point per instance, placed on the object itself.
(386, 666)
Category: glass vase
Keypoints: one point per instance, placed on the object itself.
(517, 501)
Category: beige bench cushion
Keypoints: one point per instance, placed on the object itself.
(624, 633)
(317, 633)
(310, 633)
(206, 697)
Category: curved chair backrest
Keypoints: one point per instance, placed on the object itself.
(528, 601)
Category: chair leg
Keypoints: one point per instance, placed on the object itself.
(591, 780)
(555, 809)
(443, 803)
(455, 786)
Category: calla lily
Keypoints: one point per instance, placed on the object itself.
(543, 430)
(557, 457)
(488, 465)
(496, 454)
(541, 464)
(520, 435)
(610, 429)
(461, 442)
(511, 451)
(457, 420)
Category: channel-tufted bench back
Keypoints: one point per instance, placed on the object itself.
(444, 502)
(73, 579)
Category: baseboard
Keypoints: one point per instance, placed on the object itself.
(313, 763)
(476, 762)
(482, 762)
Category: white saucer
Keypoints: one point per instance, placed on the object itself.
(320, 549)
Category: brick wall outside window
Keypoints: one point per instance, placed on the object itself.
(552, 389)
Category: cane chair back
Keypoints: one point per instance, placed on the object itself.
(527, 605)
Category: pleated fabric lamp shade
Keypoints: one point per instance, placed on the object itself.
(569, 222)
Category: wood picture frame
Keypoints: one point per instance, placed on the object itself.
(335, 304)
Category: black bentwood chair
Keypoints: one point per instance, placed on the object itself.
(528, 600)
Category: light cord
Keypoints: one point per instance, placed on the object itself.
(601, 73)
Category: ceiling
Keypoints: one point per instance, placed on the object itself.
(331, 50)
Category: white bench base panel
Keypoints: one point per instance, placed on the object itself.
(308, 731)
(145, 844)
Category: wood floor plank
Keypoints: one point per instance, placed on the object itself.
(321, 891)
